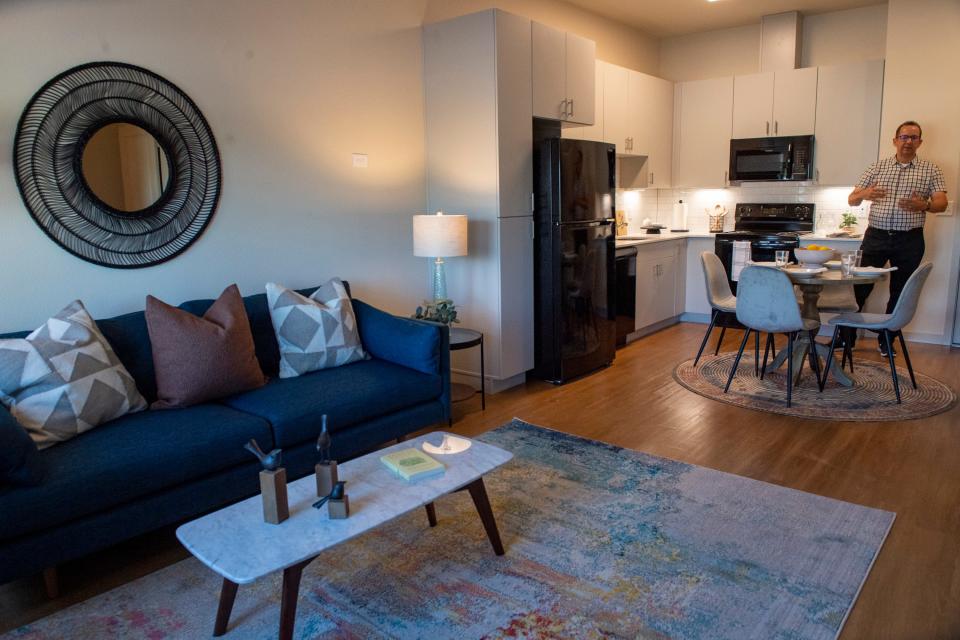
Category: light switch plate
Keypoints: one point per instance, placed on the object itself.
(951, 207)
(360, 160)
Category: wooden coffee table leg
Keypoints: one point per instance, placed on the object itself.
(431, 514)
(288, 598)
(479, 494)
(228, 593)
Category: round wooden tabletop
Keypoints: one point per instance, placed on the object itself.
(831, 276)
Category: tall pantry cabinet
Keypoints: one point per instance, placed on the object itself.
(477, 87)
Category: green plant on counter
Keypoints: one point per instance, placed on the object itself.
(443, 311)
(848, 220)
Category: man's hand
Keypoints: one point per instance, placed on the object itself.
(915, 203)
(870, 192)
(873, 192)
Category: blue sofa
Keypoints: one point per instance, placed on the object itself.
(153, 468)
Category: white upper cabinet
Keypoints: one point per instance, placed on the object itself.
(617, 124)
(783, 103)
(563, 75)
(549, 70)
(581, 79)
(650, 100)
(795, 102)
(753, 105)
(702, 132)
(595, 130)
(849, 98)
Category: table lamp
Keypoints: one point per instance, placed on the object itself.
(439, 236)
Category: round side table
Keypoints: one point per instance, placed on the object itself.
(466, 339)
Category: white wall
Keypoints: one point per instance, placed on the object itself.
(839, 37)
(290, 91)
(712, 54)
(828, 38)
(923, 49)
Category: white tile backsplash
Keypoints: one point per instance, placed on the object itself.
(657, 204)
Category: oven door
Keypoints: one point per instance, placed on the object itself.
(753, 163)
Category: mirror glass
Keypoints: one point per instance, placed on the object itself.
(125, 167)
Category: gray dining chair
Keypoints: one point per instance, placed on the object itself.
(766, 302)
(887, 324)
(723, 304)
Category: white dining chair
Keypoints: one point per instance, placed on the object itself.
(723, 304)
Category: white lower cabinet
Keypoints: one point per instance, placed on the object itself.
(660, 292)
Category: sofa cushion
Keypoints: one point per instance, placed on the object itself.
(129, 458)
(202, 358)
(316, 332)
(64, 378)
(349, 394)
(19, 458)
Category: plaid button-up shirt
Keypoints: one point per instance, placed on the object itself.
(900, 181)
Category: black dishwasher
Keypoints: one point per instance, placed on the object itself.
(626, 288)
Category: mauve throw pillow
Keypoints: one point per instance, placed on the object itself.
(200, 359)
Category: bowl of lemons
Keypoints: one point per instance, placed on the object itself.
(813, 255)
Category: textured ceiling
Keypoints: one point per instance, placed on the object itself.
(664, 18)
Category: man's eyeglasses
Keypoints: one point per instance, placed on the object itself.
(903, 137)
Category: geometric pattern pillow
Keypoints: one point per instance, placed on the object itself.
(64, 379)
(314, 333)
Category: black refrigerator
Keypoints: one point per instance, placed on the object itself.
(574, 311)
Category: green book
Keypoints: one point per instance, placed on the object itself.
(412, 464)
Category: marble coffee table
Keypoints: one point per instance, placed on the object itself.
(237, 544)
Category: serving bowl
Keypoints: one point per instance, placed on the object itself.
(813, 257)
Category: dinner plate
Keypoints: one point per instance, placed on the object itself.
(871, 271)
(806, 271)
(832, 264)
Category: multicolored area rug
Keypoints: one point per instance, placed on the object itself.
(870, 399)
(601, 542)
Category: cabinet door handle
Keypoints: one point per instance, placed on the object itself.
(651, 178)
(768, 127)
(776, 126)
(571, 108)
(563, 109)
(818, 175)
(724, 178)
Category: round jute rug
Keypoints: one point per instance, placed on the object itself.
(870, 399)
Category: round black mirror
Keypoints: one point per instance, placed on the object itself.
(125, 167)
(117, 165)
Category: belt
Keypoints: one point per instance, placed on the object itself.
(897, 232)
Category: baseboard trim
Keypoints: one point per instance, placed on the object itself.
(494, 385)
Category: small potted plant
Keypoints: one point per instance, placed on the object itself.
(848, 223)
(443, 311)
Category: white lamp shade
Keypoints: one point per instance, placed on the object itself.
(440, 235)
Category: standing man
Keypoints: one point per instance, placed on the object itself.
(901, 189)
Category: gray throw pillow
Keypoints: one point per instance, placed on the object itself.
(64, 379)
(314, 333)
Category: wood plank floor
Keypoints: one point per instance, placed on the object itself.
(910, 467)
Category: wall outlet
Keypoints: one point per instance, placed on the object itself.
(360, 161)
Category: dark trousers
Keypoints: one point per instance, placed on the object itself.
(904, 250)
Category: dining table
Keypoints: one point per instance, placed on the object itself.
(811, 283)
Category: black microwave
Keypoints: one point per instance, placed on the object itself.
(783, 158)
